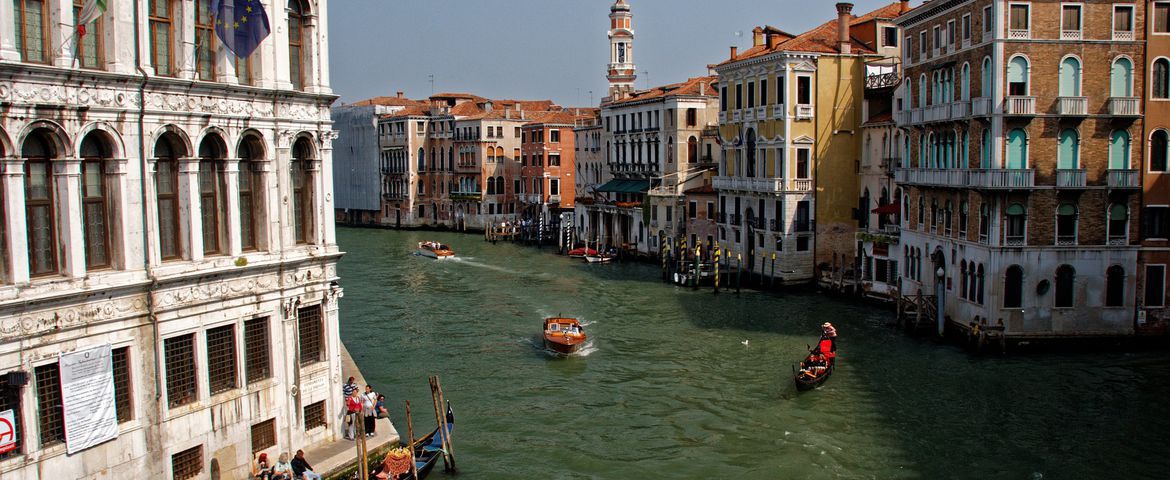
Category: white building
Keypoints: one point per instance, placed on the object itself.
(172, 202)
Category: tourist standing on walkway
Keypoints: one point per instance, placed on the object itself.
(301, 468)
(353, 409)
(349, 387)
(369, 399)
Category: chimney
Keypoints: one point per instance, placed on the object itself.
(844, 15)
(771, 41)
(400, 94)
(904, 7)
(702, 87)
(757, 37)
(734, 53)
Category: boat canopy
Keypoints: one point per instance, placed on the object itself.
(625, 186)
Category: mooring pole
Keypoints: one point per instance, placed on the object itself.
(738, 271)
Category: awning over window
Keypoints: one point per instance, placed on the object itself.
(625, 186)
(887, 209)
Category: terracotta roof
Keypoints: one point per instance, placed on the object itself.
(466, 96)
(565, 117)
(708, 188)
(387, 101)
(693, 86)
(886, 117)
(411, 111)
(822, 38)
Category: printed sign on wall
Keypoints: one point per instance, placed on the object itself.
(87, 393)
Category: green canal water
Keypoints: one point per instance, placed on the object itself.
(668, 389)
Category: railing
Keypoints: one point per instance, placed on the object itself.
(1123, 178)
(1070, 178)
(762, 185)
(466, 196)
(737, 115)
(1118, 241)
(938, 113)
(722, 217)
(1066, 240)
(1123, 35)
(935, 177)
(916, 115)
(801, 227)
(960, 110)
(804, 111)
(554, 199)
(393, 196)
(1070, 34)
(902, 118)
(1015, 240)
(1016, 105)
(775, 225)
(736, 219)
(1019, 33)
(981, 106)
(882, 80)
(1125, 106)
(1005, 179)
(1073, 105)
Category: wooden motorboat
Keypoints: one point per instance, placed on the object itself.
(817, 366)
(427, 451)
(581, 252)
(435, 250)
(563, 335)
(600, 258)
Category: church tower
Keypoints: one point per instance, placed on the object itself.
(621, 71)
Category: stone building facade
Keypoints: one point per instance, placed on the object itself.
(1018, 163)
(175, 207)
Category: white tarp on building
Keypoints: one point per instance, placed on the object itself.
(87, 393)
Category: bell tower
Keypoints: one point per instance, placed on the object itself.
(621, 71)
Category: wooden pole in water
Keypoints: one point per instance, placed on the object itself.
(360, 440)
(772, 279)
(717, 253)
(448, 450)
(738, 271)
(410, 442)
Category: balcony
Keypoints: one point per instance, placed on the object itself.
(804, 112)
(1019, 34)
(1073, 106)
(390, 197)
(882, 80)
(778, 111)
(1125, 106)
(762, 185)
(981, 106)
(475, 196)
(554, 199)
(775, 225)
(1124, 178)
(1066, 240)
(736, 219)
(1016, 105)
(938, 113)
(931, 177)
(1070, 178)
(960, 110)
(1015, 241)
(902, 118)
(1070, 35)
(737, 115)
(1002, 179)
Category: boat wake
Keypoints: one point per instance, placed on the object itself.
(587, 349)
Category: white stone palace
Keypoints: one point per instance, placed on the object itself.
(166, 199)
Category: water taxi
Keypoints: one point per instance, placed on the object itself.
(563, 335)
(435, 250)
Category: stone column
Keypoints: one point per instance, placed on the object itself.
(125, 240)
(316, 202)
(15, 215)
(266, 197)
(311, 54)
(231, 202)
(184, 56)
(60, 24)
(67, 174)
(325, 184)
(190, 221)
(279, 187)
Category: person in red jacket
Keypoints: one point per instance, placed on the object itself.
(353, 410)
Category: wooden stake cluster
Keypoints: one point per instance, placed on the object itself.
(360, 443)
(441, 419)
(410, 441)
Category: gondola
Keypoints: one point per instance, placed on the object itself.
(427, 451)
(817, 366)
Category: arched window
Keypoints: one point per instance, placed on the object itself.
(973, 284)
(1017, 76)
(296, 44)
(491, 186)
(964, 279)
(1065, 281)
(692, 150)
(1160, 83)
(1070, 77)
(1017, 149)
(1121, 78)
(1013, 287)
(751, 152)
(985, 149)
(1016, 221)
(167, 152)
(1118, 224)
(31, 35)
(922, 91)
(422, 160)
(40, 202)
(302, 187)
(211, 154)
(1159, 143)
(1115, 286)
(1119, 150)
(985, 87)
(1066, 224)
(921, 211)
(500, 185)
(95, 201)
(1066, 156)
(948, 216)
(965, 86)
(251, 186)
(436, 164)
(982, 284)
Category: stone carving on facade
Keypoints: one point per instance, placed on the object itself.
(44, 322)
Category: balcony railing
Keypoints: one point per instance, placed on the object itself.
(736, 219)
(1123, 35)
(1066, 240)
(1117, 241)
(1019, 34)
(762, 185)
(981, 107)
(1070, 34)
(778, 111)
(1124, 178)
(1015, 240)
(882, 80)
(1002, 179)
(916, 116)
(1070, 178)
(737, 115)
(775, 225)
(1016, 105)
(1078, 106)
(931, 177)
(902, 118)
(467, 196)
(938, 113)
(960, 110)
(1125, 106)
(804, 112)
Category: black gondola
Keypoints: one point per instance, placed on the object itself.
(817, 366)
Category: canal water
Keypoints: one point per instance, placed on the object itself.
(685, 384)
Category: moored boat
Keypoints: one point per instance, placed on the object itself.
(434, 250)
(582, 252)
(563, 335)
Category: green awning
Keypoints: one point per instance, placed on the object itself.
(625, 186)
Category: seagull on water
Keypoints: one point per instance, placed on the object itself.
(745, 343)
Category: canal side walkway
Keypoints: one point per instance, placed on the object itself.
(333, 459)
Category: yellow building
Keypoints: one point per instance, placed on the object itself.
(790, 111)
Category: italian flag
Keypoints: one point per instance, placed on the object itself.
(90, 12)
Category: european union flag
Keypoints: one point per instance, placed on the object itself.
(240, 24)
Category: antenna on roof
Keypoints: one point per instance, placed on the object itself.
(647, 75)
(432, 79)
